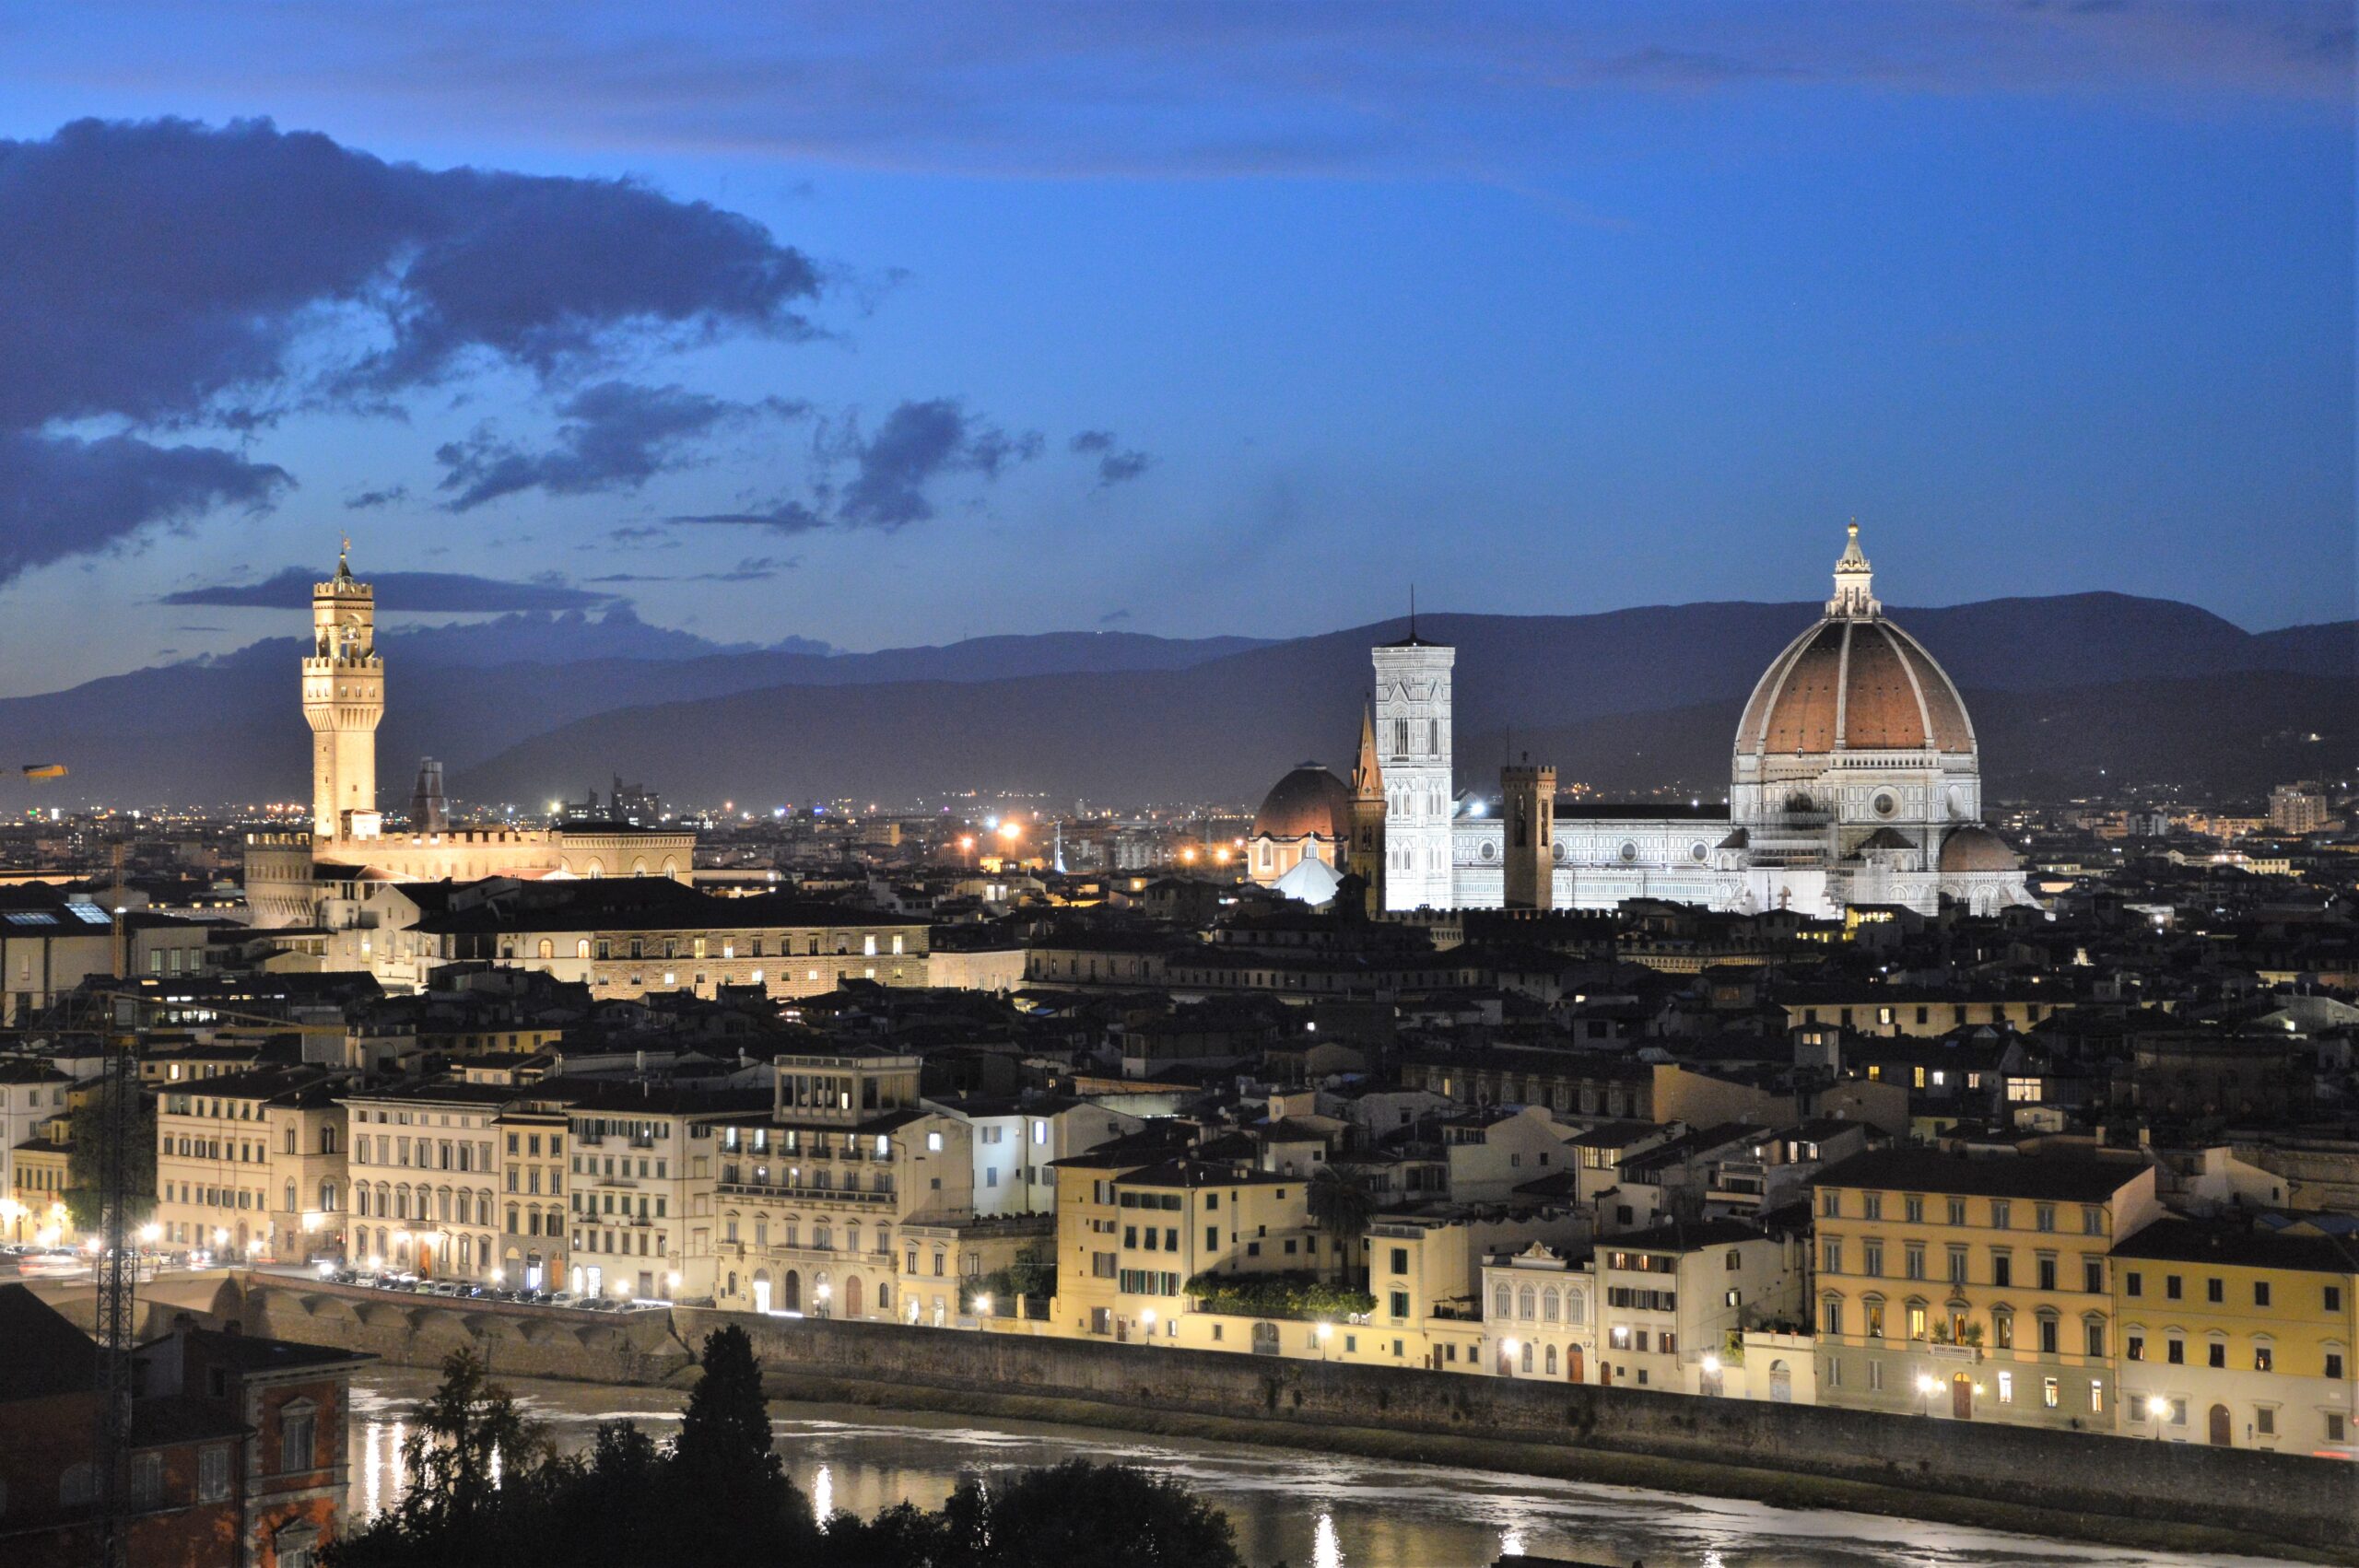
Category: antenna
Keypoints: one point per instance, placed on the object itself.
(1413, 612)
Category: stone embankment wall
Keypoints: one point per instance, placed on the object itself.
(2266, 1496)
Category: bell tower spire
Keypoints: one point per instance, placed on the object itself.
(1854, 583)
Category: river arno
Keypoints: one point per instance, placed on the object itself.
(1306, 1510)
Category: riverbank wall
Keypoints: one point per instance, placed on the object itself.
(2095, 1487)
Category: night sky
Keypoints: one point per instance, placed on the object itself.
(891, 324)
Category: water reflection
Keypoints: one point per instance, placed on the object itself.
(1328, 1511)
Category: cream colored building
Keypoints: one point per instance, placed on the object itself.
(1130, 1238)
(811, 1199)
(424, 1171)
(621, 938)
(1539, 1309)
(250, 1167)
(534, 1220)
(641, 1182)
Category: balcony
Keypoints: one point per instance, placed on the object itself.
(779, 1194)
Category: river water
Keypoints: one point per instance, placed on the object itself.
(1306, 1510)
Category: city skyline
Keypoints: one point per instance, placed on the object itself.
(1236, 326)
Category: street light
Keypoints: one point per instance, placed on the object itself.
(983, 1306)
(1324, 1332)
(824, 1291)
(1925, 1387)
(1146, 1320)
(2156, 1409)
(1508, 1351)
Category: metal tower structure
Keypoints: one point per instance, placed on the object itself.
(117, 1264)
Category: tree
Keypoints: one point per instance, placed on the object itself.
(86, 1126)
(726, 1473)
(1339, 1206)
(468, 1431)
(1080, 1515)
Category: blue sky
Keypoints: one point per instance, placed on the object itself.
(1183, 319)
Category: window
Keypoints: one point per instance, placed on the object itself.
(2002, 1215)
(1957, 1210)
(2049, 1389)
(2174, 1351)
(2264, 1420)
(212, 1474)
(2003, 1269)
(297, 1431)
(2334, 1426)
(2006, 1387)
(2216, 1353)
(2048, 1338)
(2044, 1216)
(1912, 1208)
(2092, 1276)
(2047, 1273)
(2260, 1292)
(2133, 1284)
(2097, 1396)
(2215, 1290)
(2264, 1359)
(1830, 1207)
(2133, 1347)
(2334, 1298)
(2334, 1365)
(1834, 1250)
(2171, 1291)
(1874, 1205)
(2093, 1338)
(1916, 1319)
(1872, 1257)
(1831, 1315)
(146, 1479)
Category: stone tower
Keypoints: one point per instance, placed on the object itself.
(1366, 859)
(1527, 800)
(1412, 740)
(344, 697)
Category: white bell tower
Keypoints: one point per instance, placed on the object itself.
(1412, 741)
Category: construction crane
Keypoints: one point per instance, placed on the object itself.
(117, 1270)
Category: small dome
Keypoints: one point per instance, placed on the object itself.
(1977, 848)
(1309, 800)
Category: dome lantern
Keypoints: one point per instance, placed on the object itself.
(1854, 583)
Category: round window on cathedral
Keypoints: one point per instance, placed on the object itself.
(1700, 851)
(1558, 851)
(1886, 803)
(1629, 850)
(1490, 850)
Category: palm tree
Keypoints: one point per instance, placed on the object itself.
(1340, 1206)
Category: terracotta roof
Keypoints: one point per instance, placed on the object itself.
(1308, 801)
(1977, 848)
(1858, 683)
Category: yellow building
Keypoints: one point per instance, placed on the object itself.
(251, 1166)
(34, 1205)
(2238, 1337)
(425, 1178)
(1130, 1238)
(1973, 1289)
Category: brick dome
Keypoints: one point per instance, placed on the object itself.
(1977, 848)
(1309, 800)
(1857, 683)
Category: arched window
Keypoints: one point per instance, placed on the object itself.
(1503, 1303)
(290, 1197)
(1552, 1360)
(1548, 1309)
(328, 1198)
(582, 947)
(1527, 1355)
(1525, 1304)
(78, 1487)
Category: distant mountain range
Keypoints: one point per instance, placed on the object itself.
(531, 708)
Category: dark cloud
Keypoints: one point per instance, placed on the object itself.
(459, 592)
(917, 443)
(753, 568)
(1113, 617)
(170, 273)
(63, 497)
(1113, 467)
(783, 517)
(615, 436)
(368, 498)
